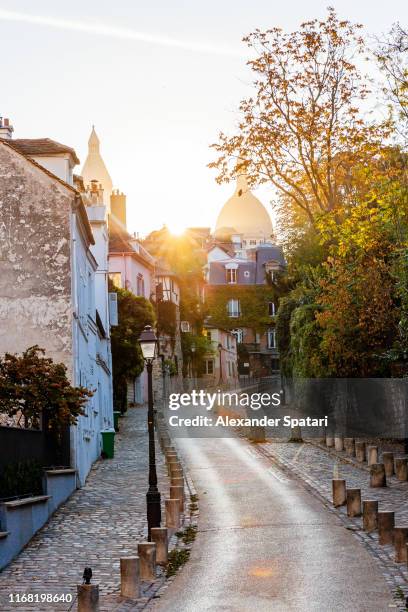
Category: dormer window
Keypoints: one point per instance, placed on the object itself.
(231, 276)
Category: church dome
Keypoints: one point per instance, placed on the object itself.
(244, 213)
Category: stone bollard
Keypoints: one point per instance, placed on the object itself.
(372, 455)
(338, 443)
(401, 468)
(130, 577)
(360, 451)
(88, 597)
(329, 441)
(386, 522)
(349, 446)
(257, 433)
(295, 434)
(353, 502)
(370, 513)
(170, 459)
(176, 473)
(388, 461)
(177, 481)
(178, 493)
(159, 536)
(400, 544)
(377, 475)
(147, 557)
(172, 513)
(173, 466)
(339, 492)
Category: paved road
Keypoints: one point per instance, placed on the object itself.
(266, 544)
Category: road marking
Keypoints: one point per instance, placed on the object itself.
(276, 475)
(295, 458)
(253, 453)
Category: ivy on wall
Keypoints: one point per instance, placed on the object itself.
(167, 320)
(253, 306)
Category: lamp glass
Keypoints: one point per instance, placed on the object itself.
(148, 343)
(148, 350)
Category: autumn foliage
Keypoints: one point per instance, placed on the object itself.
(311, 130)
(36, 391)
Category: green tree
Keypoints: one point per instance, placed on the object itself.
(34, 388)
(134, 313)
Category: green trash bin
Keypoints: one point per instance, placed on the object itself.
(116, 415)
(108, 443)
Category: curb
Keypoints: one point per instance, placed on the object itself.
(396, 579)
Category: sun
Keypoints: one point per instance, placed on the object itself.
(176, 227)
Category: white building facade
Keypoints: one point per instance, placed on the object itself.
(59, 238)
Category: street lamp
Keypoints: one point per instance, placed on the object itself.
(220, 350)
(193, 349)
(148, 344)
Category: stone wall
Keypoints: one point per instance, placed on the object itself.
(35, 267)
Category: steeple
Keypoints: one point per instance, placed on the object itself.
(95, 170)
(93, 142)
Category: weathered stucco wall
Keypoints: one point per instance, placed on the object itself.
(35, 264)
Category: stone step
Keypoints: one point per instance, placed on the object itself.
(26, 501)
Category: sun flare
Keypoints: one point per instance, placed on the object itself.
(176, 227)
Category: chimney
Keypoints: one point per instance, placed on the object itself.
(118, 206)
(6, 130)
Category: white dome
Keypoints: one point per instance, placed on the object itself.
(244, 213)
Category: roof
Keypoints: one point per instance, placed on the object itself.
(122, 243)
(42, 146)
(160, 271)
(78, 197)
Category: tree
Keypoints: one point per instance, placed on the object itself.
(392, 56)
(34, 389)
(302, 130)
(133, 313)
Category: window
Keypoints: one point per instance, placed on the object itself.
(209, 335)
(116, 278)
(140, 287)
(271, 339)
(247, 273)
(234, 308)
(271, 309)
(231, 275)
(209, 366)
(239, 334)
(252, 242)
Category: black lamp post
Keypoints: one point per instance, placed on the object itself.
(193, 348)
(220, 350)
(148, 343)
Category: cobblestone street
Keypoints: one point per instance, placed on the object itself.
(315, 466)
(100, 523)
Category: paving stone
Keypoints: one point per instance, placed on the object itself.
(99, 523)
(315, 466)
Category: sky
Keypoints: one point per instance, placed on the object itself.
(158, 79)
